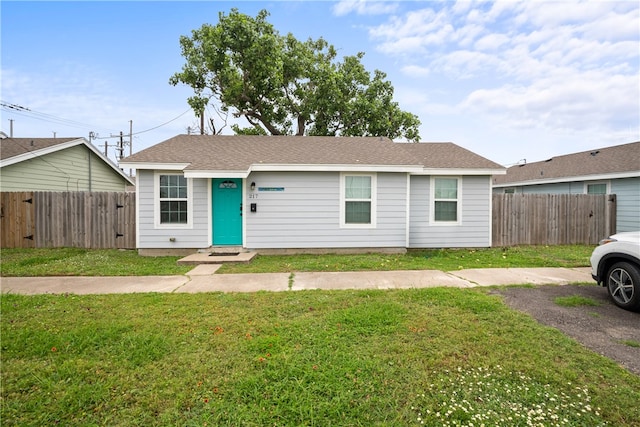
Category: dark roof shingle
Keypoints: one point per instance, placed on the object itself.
(238, 152)
(615, 159)
(12, 147)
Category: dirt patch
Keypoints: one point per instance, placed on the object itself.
(603, 328)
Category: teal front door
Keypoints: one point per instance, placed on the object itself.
(227, 211)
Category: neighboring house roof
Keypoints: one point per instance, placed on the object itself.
(620, 161)
(203, 156)
(16, 150)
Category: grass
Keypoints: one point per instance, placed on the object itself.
(85, 262)
(113, 262)
(432, 259)
(435, 357)
(575, 301)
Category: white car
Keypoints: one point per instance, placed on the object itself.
(615, 263)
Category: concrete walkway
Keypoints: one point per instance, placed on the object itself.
(203, 279)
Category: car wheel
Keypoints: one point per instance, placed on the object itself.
(623, 284)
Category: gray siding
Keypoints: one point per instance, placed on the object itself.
(185, 238)
(475, 227)
(65, 170)
(307, 213)
(627, 193)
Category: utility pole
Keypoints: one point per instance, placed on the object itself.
(120, 148)
(10, 128)
(130, 143)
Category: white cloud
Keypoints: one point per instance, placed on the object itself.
(562, 66)
(491, 42)
(363, 7)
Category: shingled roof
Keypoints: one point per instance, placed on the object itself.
(620, 159)
(12, 147)
(240, 153)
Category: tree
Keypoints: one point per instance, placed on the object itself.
(284, 86)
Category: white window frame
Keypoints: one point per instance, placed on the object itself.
(156, 202)
(373, 200)
(606, 183)
(433, 200)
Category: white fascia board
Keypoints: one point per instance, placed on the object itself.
(154, 166)
(454, 171)
(43, 151)
(333, 168)
(599, 177)
(215, 174)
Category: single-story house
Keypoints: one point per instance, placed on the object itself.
(300, 193)
(57, 164)
(609, 170)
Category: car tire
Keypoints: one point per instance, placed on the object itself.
(623, 285)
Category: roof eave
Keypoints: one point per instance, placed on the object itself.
(595, 177)
(209, 174)
(263, 167)
(461, 171)
(154, 166)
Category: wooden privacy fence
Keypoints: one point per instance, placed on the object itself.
(92, 220)
(552, 219)
(108, 219)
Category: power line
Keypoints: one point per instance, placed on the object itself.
(24, 111)
(27, 112)
(165, 123)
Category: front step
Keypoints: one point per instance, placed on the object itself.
(217, 257)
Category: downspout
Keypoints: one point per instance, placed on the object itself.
(90, 177)
(407, 231)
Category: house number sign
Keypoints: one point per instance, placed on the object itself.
(270, 188)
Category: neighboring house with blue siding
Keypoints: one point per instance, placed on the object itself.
(309, 193)
(609, 170)
(57, 164)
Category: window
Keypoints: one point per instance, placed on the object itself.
(173, 201)
(446, 204)
(358, 200)
(597, 188)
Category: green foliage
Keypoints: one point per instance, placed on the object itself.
(282, 85)
(373, 357)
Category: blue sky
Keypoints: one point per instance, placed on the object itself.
(508, 80)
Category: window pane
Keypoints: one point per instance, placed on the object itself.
(357, 187)
(173, 187)
(446, 211)
(597, 189)
(446, 188)
(173, 212)
(358, 213)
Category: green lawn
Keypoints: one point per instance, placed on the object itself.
(433, 357)
(113, 262)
